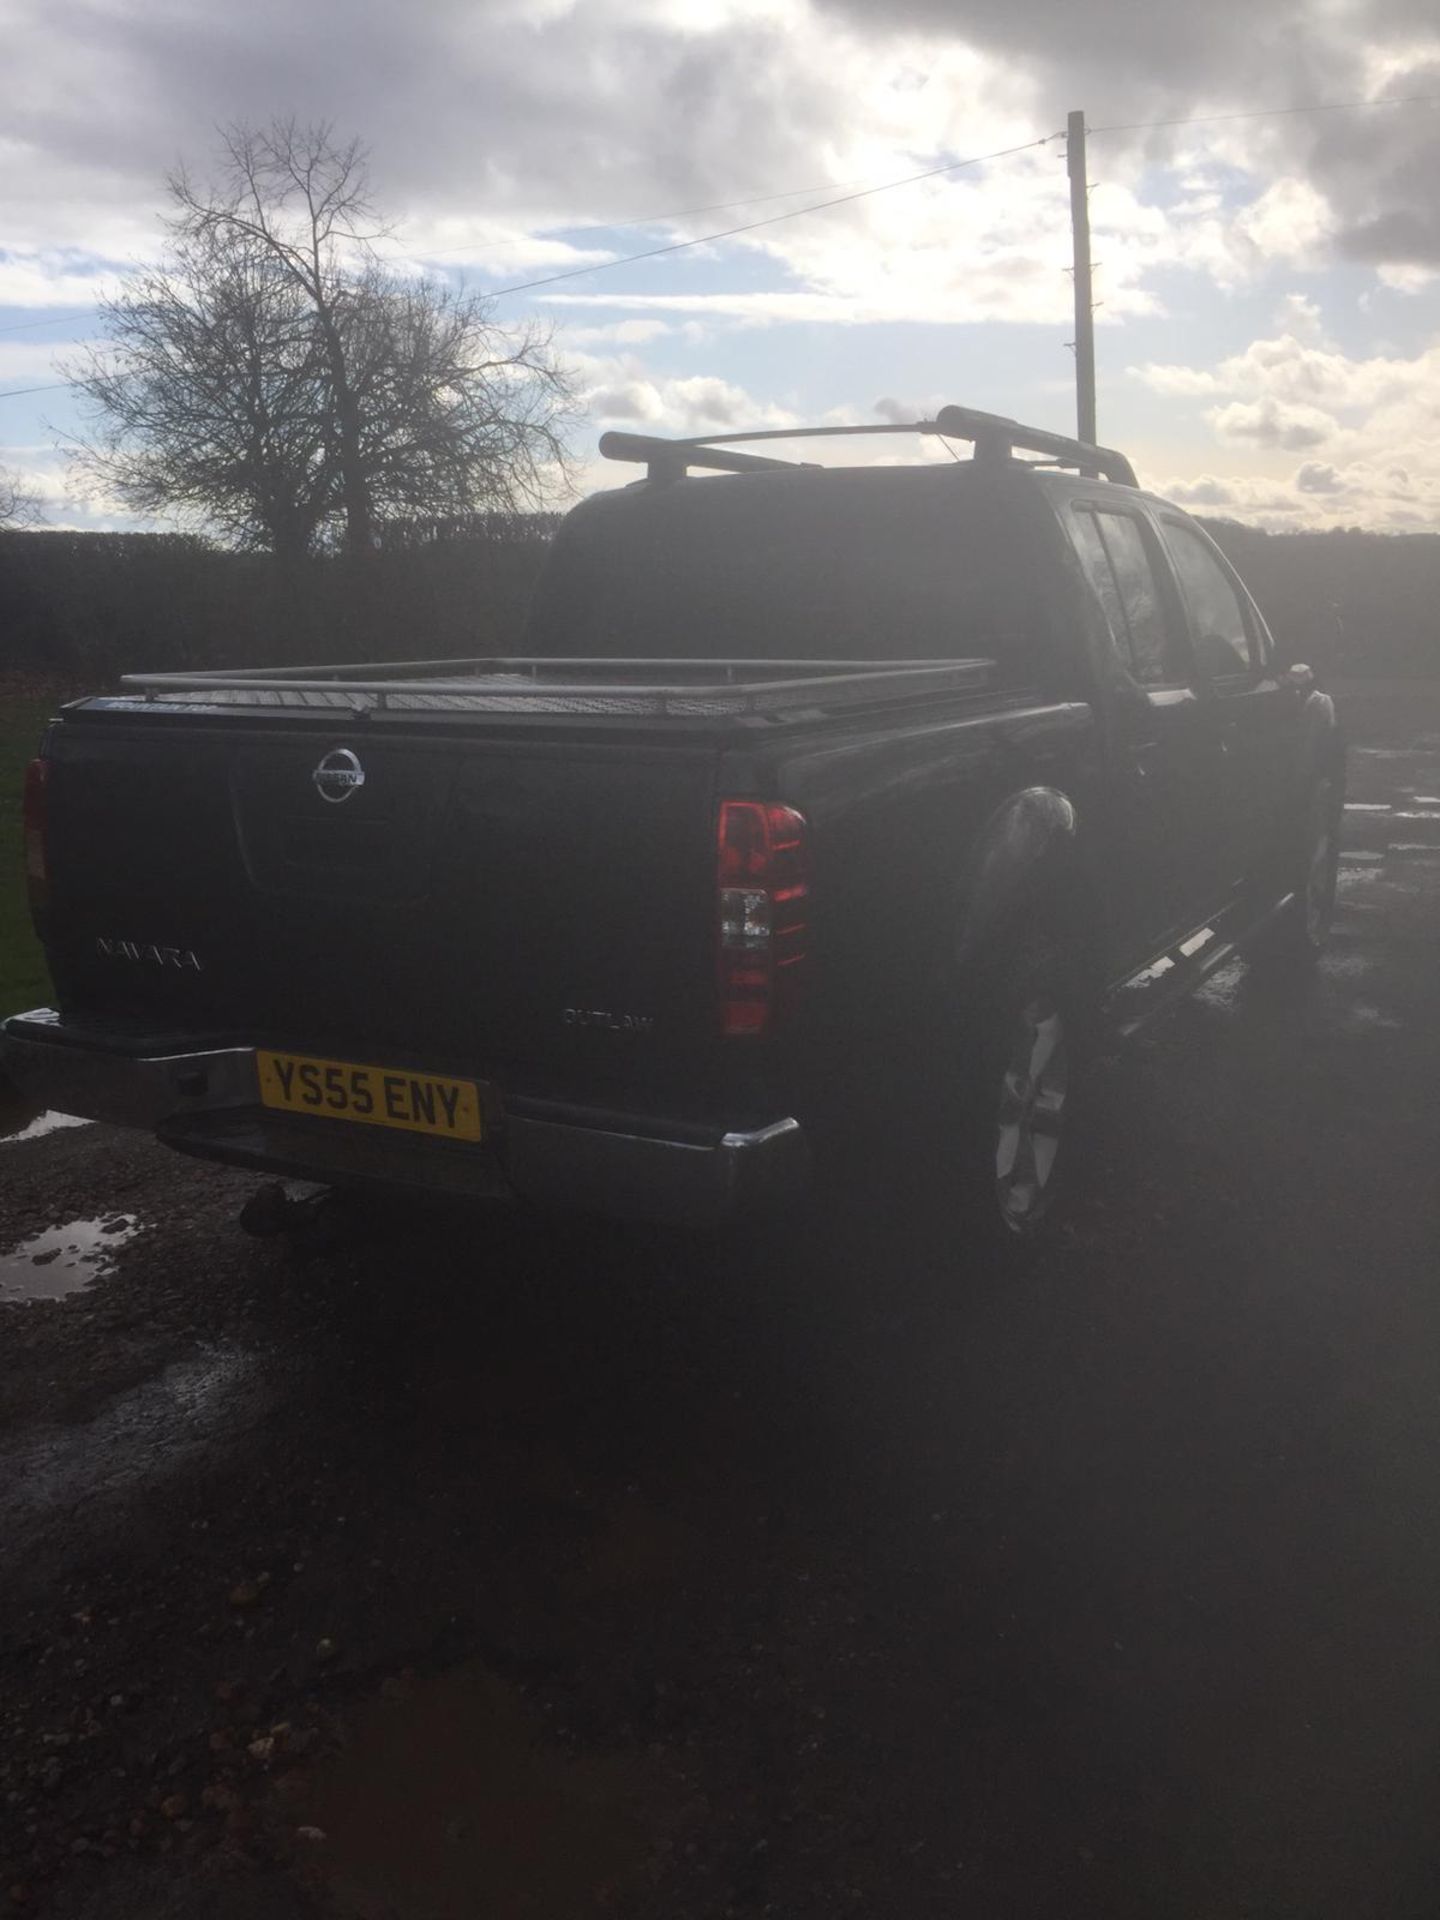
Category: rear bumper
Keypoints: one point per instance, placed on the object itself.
(204, 1100)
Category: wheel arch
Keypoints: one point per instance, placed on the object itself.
(1026, 873)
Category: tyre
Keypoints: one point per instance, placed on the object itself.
(1019, 1105)
(1302, 931)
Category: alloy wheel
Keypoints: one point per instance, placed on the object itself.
(1031, 1115)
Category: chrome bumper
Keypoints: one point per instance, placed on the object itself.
(205, 1101)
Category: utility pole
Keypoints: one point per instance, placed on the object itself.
(1084, 307)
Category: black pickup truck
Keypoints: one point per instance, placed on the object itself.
(826, 804)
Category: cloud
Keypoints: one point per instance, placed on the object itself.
(1376, 416)
(1271, 423)
(620, 391)
(1316, 477)
(41, 471)
(25, 362)
(1299, 368)
(431, 245)
(535, 115)
(1371, 172)
(35, 277)
(1178, 381)
(1206, 491)
(498, 125)
(1407, 278)
(505, 131)
(1282, 505)
(620, 333)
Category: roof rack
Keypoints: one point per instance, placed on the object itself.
(996, 440)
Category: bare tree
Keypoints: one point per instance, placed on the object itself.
(303, 201)
(19, 506)
(206, 402)
(276, 380)
(454, 412)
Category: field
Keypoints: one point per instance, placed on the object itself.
(24, 710)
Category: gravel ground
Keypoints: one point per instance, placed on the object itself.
(490, 1565)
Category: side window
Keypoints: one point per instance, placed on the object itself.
(1153, 649)
(1222, 636)
(1112, 548)
(1096, 562)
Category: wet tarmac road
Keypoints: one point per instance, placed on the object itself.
(543, 1568)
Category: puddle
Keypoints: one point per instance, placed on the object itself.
(1349, 966)
(21, 1119)
(457, 1800)
(1225, 989)
(144, 1434)
(63, 1259)
(1364, 1016)
(39, 1126)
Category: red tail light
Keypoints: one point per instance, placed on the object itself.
(763, 903)
(37, 872)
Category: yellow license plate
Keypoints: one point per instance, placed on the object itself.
(375, 1096)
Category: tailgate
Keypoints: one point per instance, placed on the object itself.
(533, 907)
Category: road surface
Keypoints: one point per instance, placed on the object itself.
(538, 1569)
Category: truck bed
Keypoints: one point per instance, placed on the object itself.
(522, 881)
(700, 691)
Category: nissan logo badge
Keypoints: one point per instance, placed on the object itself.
(338, 775)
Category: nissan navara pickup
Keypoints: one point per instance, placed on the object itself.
(828, 808)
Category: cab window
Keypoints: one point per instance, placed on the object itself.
(1117, 560)
(1224, 640)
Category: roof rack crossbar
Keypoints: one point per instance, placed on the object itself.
(668, 459)
(808, 433)
(995, 438)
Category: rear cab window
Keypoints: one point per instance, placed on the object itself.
(901, 563)
(1115, 549)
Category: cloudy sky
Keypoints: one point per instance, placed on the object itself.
(1269, 334)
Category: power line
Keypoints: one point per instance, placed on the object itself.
(679, 246)
(708, 239)
(715, 206)
(794, 213)
(820, 206)
(792, 193)
(1273, 113)
(823, 186)
(683, 213)
(69, 313)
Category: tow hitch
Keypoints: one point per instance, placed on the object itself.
(275, 1209)
(311, 1219)
(318, 1219)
